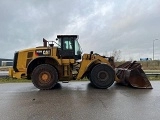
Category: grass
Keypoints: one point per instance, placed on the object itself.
(151, 78)
(11, 80)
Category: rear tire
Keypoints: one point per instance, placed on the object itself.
(102, 76)
(44, 77)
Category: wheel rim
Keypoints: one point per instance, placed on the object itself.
(103, 76)
(44, 77)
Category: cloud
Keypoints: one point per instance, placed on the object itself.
(102, 26)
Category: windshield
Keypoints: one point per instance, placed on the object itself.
(59, 43)
(78, 50)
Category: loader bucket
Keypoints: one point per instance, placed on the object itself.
(131, 74)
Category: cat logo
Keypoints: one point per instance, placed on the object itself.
(45, 52)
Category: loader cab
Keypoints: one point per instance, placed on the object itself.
(69, 47)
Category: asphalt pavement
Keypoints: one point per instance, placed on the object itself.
(78, 101)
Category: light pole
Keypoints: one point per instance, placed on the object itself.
(153, 47)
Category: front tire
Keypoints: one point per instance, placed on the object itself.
(102, 76)
(44, 77)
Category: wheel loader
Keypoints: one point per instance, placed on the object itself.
(62, 60)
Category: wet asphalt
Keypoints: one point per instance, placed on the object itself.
(78, 101)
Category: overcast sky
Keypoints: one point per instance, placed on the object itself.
(102, 25)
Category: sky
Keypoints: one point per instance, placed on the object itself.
(103, 26)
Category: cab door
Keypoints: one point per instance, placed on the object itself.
(67, 48)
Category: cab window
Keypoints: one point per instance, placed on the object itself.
(67, 45)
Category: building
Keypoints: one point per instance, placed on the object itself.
(6, 62)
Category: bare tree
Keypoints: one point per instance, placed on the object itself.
(116, 54)
(105, 53)
(130, 59)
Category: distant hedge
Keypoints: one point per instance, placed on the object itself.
(147, 65)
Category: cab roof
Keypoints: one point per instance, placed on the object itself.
(60, 36)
